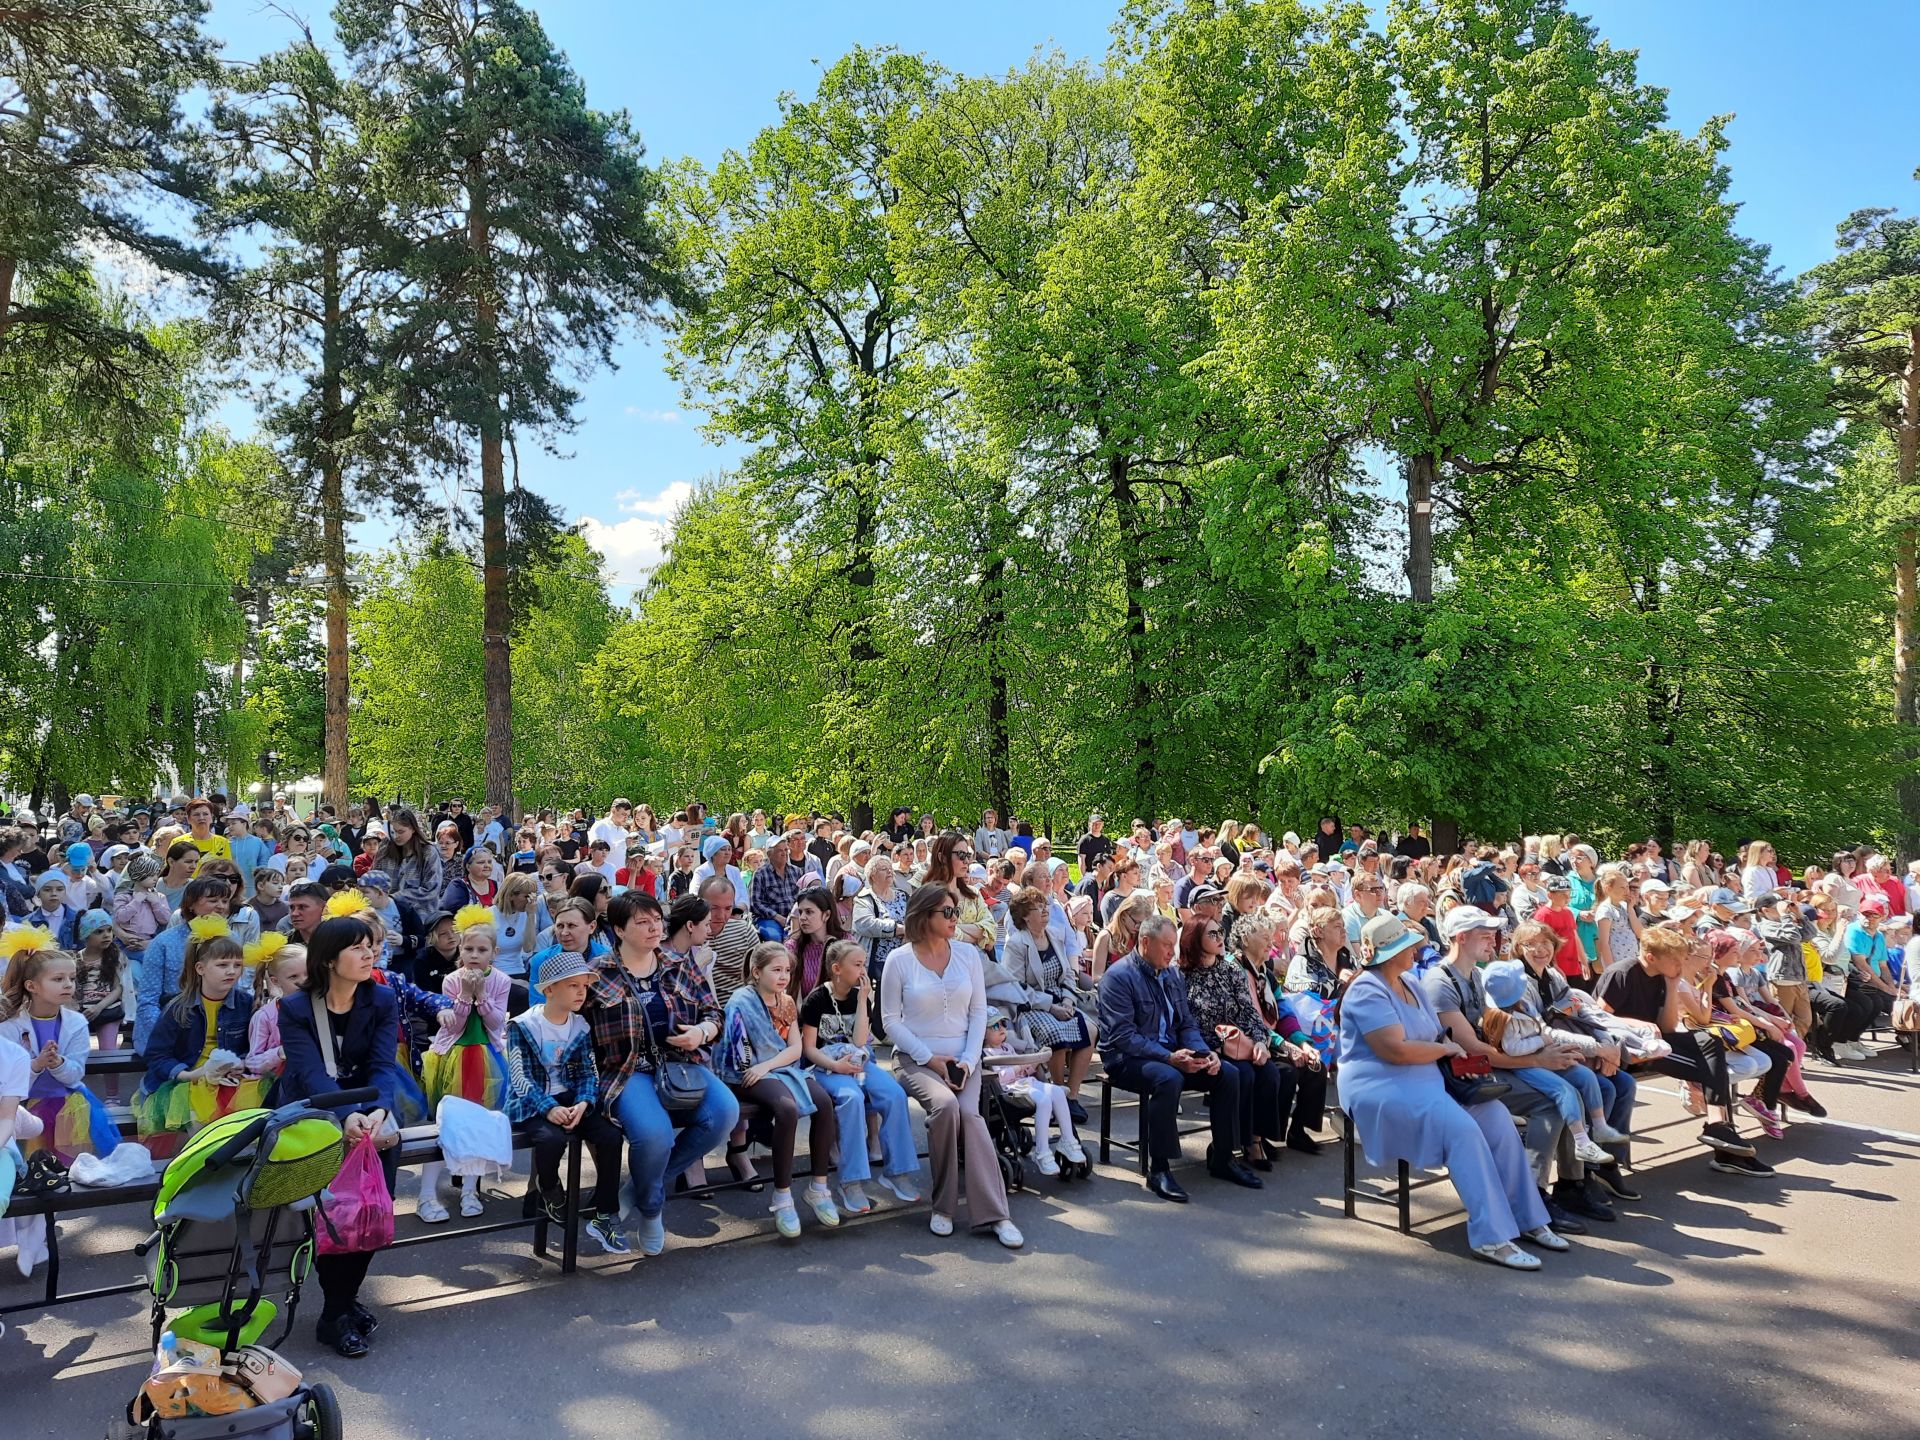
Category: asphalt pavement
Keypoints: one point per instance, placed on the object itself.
(1717, 1306)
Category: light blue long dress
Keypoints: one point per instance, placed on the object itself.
(1403, 1112)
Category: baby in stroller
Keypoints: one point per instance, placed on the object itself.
(1018, 1072)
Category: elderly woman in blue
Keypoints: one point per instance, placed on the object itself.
(1391, 1043)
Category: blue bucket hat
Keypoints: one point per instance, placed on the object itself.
(1506, 982)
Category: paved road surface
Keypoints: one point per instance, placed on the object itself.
(1717, 1307)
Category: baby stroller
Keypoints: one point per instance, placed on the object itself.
(234, 1219)
(1007, 1115)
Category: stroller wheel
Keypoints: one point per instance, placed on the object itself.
(1012, 1172)
(323, 1413)
(1078, 1169)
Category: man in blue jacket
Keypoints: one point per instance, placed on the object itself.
(1151, 1044)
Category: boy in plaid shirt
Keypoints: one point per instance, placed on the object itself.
(553, 1088)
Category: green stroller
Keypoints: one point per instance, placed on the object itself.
(234, 1224)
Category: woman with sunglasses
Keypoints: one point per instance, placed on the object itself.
(948, 864)
(933, 999)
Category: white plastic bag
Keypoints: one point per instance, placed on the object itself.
(473, 1139)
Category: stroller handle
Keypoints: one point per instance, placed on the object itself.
(338, 1098)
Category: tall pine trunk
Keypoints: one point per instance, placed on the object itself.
(993, 648)
(333, 544)
(1140, 693)
(496, 615)
(1906, 711)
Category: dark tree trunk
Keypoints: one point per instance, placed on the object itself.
(1420, 473)
(1140, 690)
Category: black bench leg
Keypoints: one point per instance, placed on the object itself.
(1106, 1120)
(1347, 1161)
(52, 1222)
(1145, 1166)
(570, 1240)
(1406, 1202)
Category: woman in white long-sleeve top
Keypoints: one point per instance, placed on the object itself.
(933, 998)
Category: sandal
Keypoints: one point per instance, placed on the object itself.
(749, 1177)
(1507, 1254)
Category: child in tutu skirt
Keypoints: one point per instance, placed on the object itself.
(466, 1057)
(36, 1001)
(196, 1056)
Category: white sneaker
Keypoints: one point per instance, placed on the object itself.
(471, 1204)
(941, 1225)
(1605, 1134)
(820, 1200)
(786, 1218)
(1048, 1165)
(430, 1211)
(1590, 1153)
(1070, 1148)
(1008, 1234)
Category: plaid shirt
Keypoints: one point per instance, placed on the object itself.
(773, 892)
(617, 1017)
(528, 1097)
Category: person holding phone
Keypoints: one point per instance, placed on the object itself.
(933, 1004)
(340, 1033)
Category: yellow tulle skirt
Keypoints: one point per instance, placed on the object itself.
(72, 1124)
(170, 1113)
(470, 1071)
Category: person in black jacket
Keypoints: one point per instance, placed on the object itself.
(342, 1032)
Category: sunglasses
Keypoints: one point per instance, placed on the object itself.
(948, 912)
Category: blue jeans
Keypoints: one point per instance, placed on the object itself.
(654, 1149)
(882, 1095)
(1618, 1090)
(1575, 1090)
(770, 929)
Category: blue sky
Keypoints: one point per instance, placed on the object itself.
(1821, 129)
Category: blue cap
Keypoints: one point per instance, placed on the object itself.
(376, 879)
(79, 855)
(1506, 982)
(90, 922)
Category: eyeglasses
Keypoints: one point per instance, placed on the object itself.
(948, 912)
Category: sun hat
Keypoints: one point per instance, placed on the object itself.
(87, 800)
(1463, 918)
(563, 965)
(1558, 882)
(1506, 982)
(1204, 895)
(713, 844)
(1874, 905)
(1384, 937)
(90, 922)
(376, 880)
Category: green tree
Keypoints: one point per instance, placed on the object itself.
(1865, 305)
(528, 235)
(126, 526)
(294, 146)
(90, 127)
(805, 349)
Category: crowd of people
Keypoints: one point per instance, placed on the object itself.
(671, 988)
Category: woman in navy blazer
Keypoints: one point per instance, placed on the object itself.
(362, 1021)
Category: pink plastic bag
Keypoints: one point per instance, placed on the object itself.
(358, 1211)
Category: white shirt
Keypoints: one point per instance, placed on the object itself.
(16, 1078)
(553, 1040)
(928, 1014)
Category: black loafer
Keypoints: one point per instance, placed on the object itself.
(1613, 1180)
(1236, 1173)
(1162, 1183)
(1578, 1200)
(1303, 1142)
(1077, 1111)
(364, 1319)
(343, 1336)
(1560, 1218)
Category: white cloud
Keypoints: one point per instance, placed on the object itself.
(633, 548)
(654, 417)
(663, 505)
